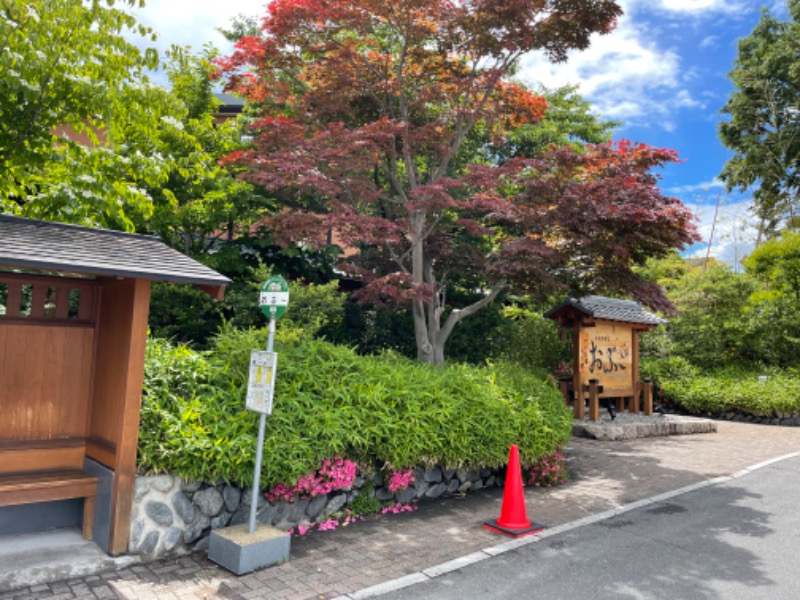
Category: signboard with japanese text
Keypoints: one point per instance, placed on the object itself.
(606, 354)
(261, 382)
(274, 297)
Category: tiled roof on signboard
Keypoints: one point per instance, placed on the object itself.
(610, 309)
(41, 245)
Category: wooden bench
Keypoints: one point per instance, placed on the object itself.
(32, 472)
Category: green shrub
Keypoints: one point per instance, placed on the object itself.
(726, 390)
(329, 401)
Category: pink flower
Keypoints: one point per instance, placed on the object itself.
(400, 480)
(329, 525)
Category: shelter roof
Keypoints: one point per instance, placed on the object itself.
(609, 309)
(42, 245)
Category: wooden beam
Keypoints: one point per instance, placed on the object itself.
(116, 403)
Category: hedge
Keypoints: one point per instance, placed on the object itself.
(380, 410)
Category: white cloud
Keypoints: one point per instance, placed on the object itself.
(709, 41)
(193, 24)
(705, 186)
(626, 75)
(734, 233)
(701, 7)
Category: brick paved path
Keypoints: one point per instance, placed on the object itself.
(328, 564)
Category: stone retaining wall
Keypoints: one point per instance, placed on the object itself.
(172, 517)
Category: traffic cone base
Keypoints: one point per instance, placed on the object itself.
(513, 520)
(514, 533)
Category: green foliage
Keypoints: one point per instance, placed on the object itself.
(763, 129)
(713, 325)
(64, 63)
(330, 401)
(365, 503)
(733, 389)
(530, 340)
(569, 120)
(184, 314)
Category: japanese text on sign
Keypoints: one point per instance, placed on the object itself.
(606, 355)
(261, 382)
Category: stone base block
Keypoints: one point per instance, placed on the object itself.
(628, 427)
(242, 552)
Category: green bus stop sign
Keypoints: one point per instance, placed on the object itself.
(274, 297)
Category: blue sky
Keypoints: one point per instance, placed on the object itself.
(661, 73)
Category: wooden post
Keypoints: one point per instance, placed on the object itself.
(577, 385)
(563, 387)
(594, 400)
(648, 397)
(633, 401)
(119, 370)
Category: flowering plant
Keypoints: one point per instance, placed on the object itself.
(333, 474)
(400, 480)
(328, 525)
(398, 508)
(547, 471)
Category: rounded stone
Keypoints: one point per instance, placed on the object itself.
(436, 490)
(407, 495)
(247, 496)
(150, 542)
(140, 489)
(220, 520)
(316, 506)
(280, 512)
(421, 487)
(190, 486)
(137, 529)
(209, 501)
(264, 515)
(159, 512)
(298, 509)
(241, 515)
(452, 486)
(183, 507)
(383, 494)
(171, 538)
(195, 530)
(162, 483)
(232, 496)
(433, 475)
(334, 504)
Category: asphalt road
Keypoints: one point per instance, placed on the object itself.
(735, 540)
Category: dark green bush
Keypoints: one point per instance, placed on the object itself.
(330, 401)
(725, 390)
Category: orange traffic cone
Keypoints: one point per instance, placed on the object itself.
(513, 520)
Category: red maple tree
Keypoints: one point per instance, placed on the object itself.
(372, 113)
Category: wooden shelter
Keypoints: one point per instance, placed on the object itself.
(74, 303)
(605, 362)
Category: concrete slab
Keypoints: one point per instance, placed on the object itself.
(33, 559)
(628, 427)
(242, 552)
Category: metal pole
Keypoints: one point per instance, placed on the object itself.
(260, 444)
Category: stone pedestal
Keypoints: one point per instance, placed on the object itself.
(242, 552)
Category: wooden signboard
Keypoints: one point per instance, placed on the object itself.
(605, 352)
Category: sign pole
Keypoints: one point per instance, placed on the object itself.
(262, 420)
